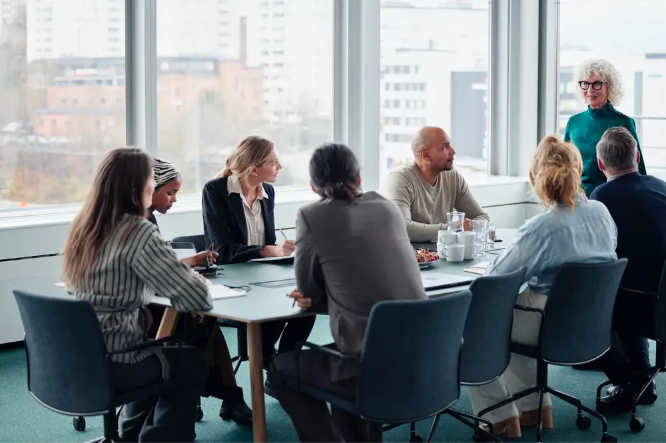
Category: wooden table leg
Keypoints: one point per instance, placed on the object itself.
(168, 323)
(257, 382)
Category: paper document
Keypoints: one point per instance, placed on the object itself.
(218, 292)
(288, 257)
(478, 268)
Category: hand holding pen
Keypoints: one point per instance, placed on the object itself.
(207, 262)
(303, 303)
(288, 246)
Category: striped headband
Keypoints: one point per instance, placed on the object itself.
(164, 172)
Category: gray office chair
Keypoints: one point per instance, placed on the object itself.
(68, 363)
(656, 330)
(428, 356)
(486, 348)
(575, 329)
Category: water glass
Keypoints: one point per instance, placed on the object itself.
(491, 235)
(455, 221)
(480, 228)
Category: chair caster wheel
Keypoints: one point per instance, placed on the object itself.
(415, 439)
(583, 422)
(79, 423)
(199, 415)
(607, 438)
(636, 424)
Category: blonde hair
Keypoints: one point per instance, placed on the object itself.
(606, 72)
(252, 151)
(556, 171)
(117, 190)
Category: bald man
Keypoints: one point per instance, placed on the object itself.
(429, 188)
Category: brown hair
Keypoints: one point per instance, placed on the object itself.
(117, 190)
(556, 171)
(252, 151)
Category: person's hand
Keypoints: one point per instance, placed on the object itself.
(467, 226)
(303, 303)
(199, 259)
(288, 247)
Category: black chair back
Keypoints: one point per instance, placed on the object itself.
(66, 354)
(579, 312)
(197, 240)
(410, 358)
(487, 338)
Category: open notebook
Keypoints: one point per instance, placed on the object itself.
(288, 257)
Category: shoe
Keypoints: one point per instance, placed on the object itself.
(235, 409)
(510, 426)
(648, 397)
(529, 419)
(268, 389)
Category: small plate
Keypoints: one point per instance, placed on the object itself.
(427, 264)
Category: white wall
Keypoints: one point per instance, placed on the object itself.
(24, 262)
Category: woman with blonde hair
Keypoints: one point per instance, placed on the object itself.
(601, 89)
(239, 221)
(116, 259)
(572, 230)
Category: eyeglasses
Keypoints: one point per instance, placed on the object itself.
(595, 85)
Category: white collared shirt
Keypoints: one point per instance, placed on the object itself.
(253, 217)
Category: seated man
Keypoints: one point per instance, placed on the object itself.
(429, 188)
(637, 204)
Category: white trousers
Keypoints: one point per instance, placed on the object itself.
(521, 372)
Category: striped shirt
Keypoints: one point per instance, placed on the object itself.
(134, 265)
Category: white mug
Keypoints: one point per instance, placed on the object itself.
(455, 253)
(466, 238)
(470, 252)
(446, 237)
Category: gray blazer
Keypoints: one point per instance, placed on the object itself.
(351, 256)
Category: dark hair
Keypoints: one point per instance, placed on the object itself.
(117, 190)
(334, 172)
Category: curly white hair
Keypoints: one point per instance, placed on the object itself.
(604, 71)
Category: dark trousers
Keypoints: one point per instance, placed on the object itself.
(288, 332)
(170, 416)
(633, 320)
(310, 416)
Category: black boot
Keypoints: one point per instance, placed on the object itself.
(234, 408)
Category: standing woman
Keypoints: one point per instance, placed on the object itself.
(221, 379)
(601, 88)
(116, 260)
(238, 214)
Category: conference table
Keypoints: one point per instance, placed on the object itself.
(268, 302)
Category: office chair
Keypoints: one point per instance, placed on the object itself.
(68, 363)
(575, 329)
(656, 331)
(428, 357)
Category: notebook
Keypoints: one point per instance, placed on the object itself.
(436, 280)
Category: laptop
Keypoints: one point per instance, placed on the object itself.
(437, 280)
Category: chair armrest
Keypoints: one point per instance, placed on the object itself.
(317, 348)
(528, 309)
(636, 291)
(147, 344)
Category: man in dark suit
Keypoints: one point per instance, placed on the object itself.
(637, 203)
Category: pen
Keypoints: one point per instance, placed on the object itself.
(206, 261)
(294, 303)
(282, 232)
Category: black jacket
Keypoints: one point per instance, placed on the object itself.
(224, 222)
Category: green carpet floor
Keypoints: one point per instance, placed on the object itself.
(22, 419)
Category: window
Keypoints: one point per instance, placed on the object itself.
(285, 96)
(49, 145)
(637, 48)
(439, 78)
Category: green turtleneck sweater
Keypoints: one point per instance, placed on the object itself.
(585, 130)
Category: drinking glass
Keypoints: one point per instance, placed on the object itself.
(480, 228)
(455, 221)
(491, 235)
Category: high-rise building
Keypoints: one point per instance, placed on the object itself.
(292, 40)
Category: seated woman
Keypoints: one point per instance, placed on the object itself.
(352, 252)
(221, 380)
(572, 230)
(111, 258)
(239, 221)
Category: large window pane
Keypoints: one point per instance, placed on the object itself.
(232, 68)
(630, 34)
(434, 71)
(62, 96)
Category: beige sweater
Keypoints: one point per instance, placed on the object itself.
(423, 206)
